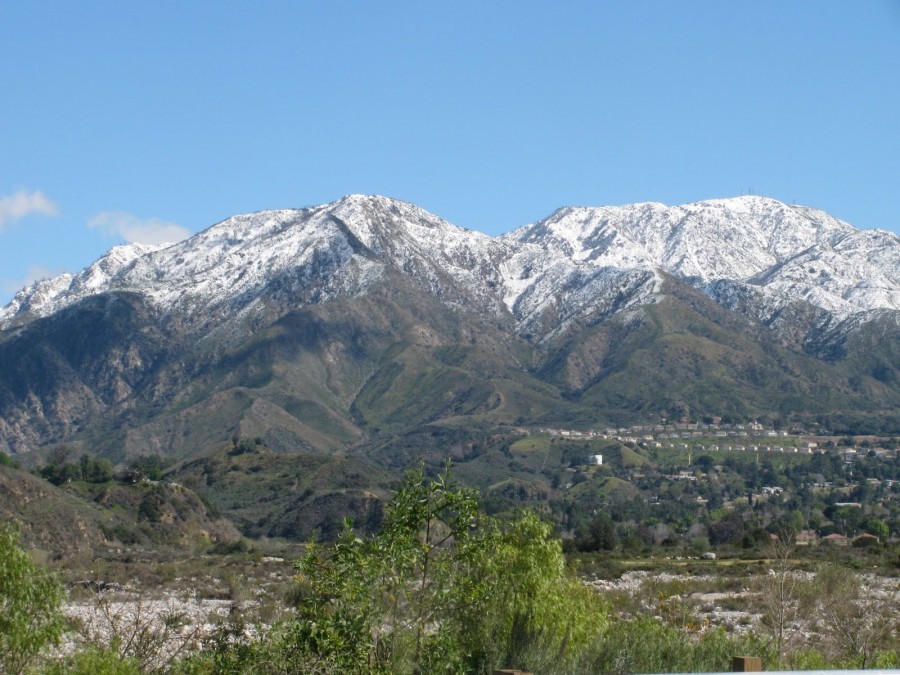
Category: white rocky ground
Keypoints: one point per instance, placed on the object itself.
(739, 609)
(158, 627)
(154, 629)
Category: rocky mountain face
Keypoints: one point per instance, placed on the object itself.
(347, 325)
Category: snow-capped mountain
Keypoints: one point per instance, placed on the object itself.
(776, 252)
(339, 325)
(322, 253)
(598, 260)
(49, 295)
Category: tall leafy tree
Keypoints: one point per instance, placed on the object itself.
(442, 588)
(30, 617)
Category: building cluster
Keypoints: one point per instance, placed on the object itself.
(812, 538)
(683, 431)
(715, 437)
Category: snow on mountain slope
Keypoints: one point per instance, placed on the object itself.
(459, 265)
(46, 296)
(240, 255)
(725, 238)
(785, 253)
(851, 276)
(546, 287)
(335, 250)
(577, 262)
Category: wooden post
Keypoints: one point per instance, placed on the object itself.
(746, 664)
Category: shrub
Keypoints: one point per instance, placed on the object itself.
(95, 661)
(648, 645)
(6, 460)
(30, 600)
(442, 588)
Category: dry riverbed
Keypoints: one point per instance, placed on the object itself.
(159, 622)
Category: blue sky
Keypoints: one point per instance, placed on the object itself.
(144, 120)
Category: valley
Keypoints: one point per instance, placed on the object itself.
(708, 391)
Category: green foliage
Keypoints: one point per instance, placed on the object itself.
(6, 460)
(648, 645)
(150, 508)
(60, 473)
(287, 495)
(538, 618)
(442, 588)
(814, 659)
(600, 535)
(231, 651)
(878, 528)
(858, 622)
(729, 529)
(88, 469)
(244, 446)
(30, 600)
(95, 470)
(705, 463)
(146, 466)
(94, 661)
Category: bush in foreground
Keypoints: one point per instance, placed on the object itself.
(30, 599)
(442, 588)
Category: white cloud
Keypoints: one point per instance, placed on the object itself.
(22, 203)
(9, 287)
(138, 230)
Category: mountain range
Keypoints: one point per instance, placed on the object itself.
(369, 326)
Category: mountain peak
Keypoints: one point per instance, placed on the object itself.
(46, 296)
(778, 253)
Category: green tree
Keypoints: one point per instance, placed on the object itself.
(146, 466)
(729, 529)
(600, 535)
(705, 463)
(442, 588)
(95, 470)
(30, 599)
(877, 527)
(60, 473)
